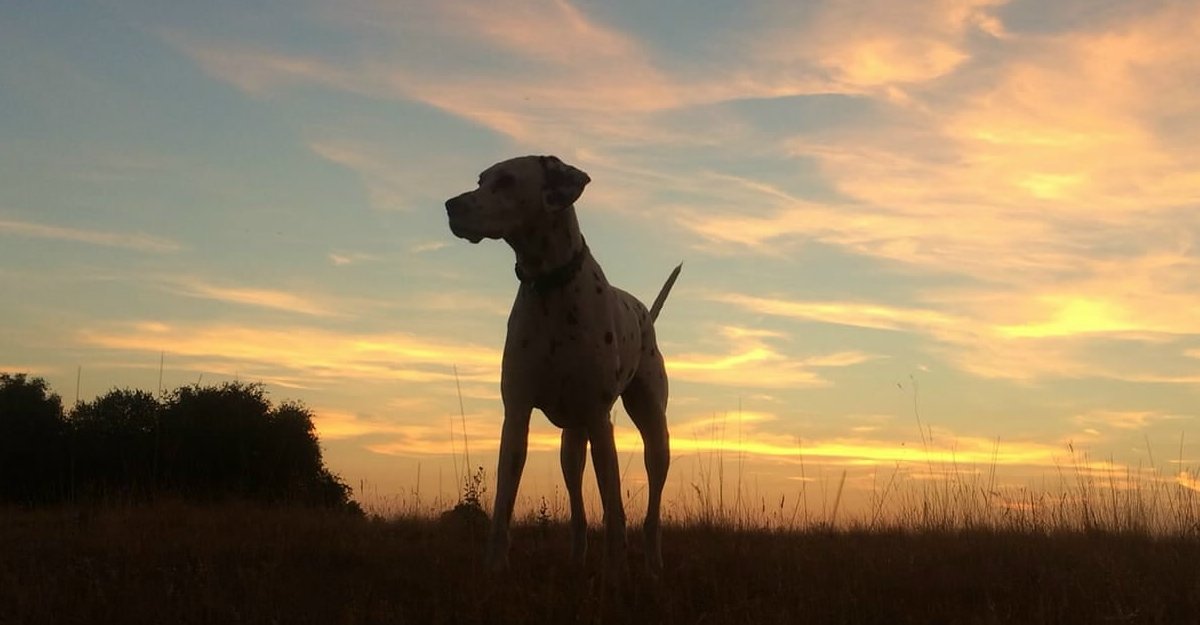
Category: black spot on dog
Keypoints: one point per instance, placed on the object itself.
(652, 352)
(608, 337)
(571, 318)
(524, 343)
(598, 289)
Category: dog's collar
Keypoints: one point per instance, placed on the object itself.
(555, 278)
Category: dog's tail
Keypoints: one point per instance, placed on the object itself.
(662, 295)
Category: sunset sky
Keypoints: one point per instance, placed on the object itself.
(988, 211)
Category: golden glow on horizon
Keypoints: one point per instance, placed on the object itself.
(432, 438)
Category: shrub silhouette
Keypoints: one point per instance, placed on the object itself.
(197, 442)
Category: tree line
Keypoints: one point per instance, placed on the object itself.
(196, 442)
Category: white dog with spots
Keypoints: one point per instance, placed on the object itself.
(575, 343)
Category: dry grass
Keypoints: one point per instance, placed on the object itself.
(180, 563)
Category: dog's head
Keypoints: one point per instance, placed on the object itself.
(514, 193)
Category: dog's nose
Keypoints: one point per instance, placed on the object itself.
(457, 203)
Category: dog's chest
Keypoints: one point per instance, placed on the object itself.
(570, 353)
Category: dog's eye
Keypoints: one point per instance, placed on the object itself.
(503, 182)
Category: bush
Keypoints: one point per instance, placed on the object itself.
(197, 442)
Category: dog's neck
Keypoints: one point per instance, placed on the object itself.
(547, 245)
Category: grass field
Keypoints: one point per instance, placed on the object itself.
(234, 563)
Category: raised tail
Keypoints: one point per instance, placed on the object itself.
(662, 295)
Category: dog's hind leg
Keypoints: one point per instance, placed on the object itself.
(646, 403)
(573, 456)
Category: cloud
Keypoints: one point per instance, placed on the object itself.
(1123, 419)
(343, 259)
(131, 241)
(306, 353)
(262, 298)
(390, 182)
(26, 369)
(859, 314)
(753, 363)
(977, 334)
(428, 246)
(877, 44)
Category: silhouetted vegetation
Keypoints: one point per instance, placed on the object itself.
(237, 563)
(198, 442)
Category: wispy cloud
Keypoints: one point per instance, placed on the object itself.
(1124, 419)
(304, 352)
(753, 363)
(390, 183)
(261, 298)
(427, 246)
(860, 314)
(131, 241)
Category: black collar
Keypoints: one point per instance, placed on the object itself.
(555, 278)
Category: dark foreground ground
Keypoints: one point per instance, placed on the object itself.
(242, 564)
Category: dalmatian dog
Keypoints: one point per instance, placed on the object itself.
(575, 343)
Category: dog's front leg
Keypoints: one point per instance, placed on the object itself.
(514, 442)
(573, 456)
(608, 478)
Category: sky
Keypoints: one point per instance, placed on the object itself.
(920, 239)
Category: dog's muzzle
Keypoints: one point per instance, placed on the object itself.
(457, 210)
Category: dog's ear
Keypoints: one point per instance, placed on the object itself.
(562, 184)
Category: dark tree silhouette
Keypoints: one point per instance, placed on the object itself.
(31, 440)
(114, 444)
(198, 442)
